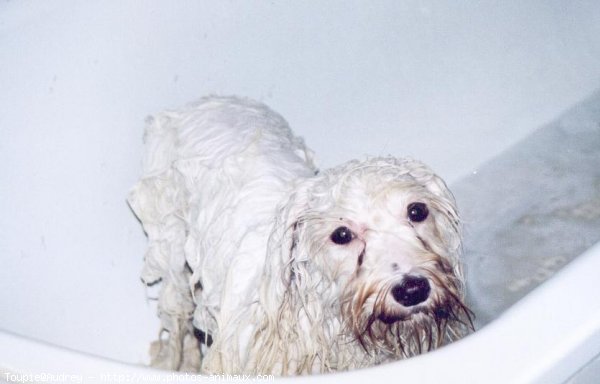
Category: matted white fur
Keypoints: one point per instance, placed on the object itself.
(288, 269)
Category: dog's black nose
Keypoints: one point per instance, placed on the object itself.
(412, 290)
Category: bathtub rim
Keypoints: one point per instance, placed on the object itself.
(547, 343)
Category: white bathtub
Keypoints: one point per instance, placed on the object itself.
(535, 341)
(454, 85)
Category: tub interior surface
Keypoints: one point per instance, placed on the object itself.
(501, 99)
(531, 210)
(589, 374)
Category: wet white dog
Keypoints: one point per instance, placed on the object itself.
(276, 267)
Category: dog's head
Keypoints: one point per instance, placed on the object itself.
(380, 241)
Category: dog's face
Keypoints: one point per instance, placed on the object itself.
(386, 234)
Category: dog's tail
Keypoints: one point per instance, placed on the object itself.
(158, 201)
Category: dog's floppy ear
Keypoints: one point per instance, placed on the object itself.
(447, 225)
(448, 221)
(279, 342)
(282, 250)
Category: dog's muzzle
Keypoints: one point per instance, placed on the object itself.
(412, 290)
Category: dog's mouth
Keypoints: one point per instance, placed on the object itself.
(390, 319)
(438, 313)
(408, 330)
(415, 330)
(408, 316)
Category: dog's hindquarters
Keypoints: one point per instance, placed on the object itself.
(160, 205)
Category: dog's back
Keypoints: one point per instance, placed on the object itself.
(214, 173)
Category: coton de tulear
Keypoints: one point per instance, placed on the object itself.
(267, 265)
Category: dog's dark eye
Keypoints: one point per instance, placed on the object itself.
(342, 235)
(417, 212)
